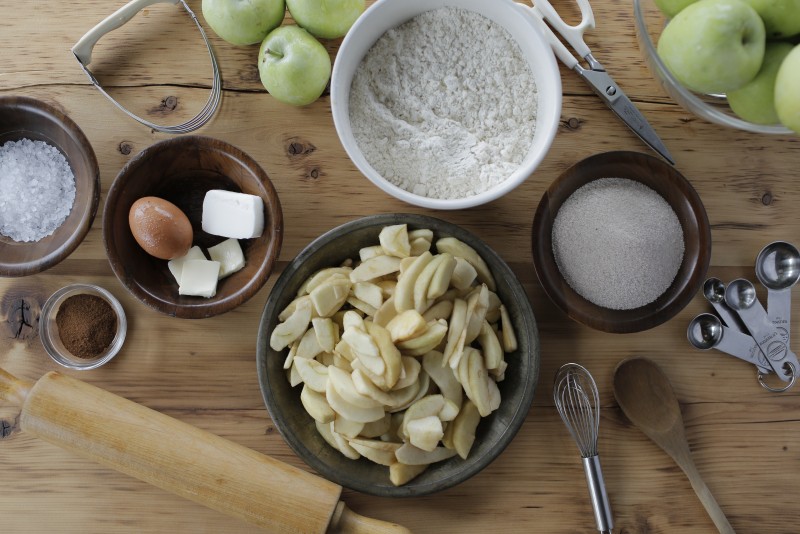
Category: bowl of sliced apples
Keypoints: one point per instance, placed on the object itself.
(398, 355)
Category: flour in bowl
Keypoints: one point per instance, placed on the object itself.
(444, 105)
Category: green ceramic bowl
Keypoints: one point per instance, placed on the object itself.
(297, 427)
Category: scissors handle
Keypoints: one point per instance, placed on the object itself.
(572, 34)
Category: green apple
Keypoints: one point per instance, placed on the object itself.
(672, 7)
(755, 102)
(243, 22)
(781, 17)
(787, 96)
(714, 46)
(294, 67)
(328, 19)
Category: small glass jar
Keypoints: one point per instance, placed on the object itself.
(51, 339)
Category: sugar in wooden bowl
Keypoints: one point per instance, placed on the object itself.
(621, 255)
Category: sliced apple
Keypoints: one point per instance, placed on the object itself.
(404, 291)
(352, 319)
(316, 405)
(456, 333)
(400, 474)
(463, 429)
(313, 374)
(287, 363)
(385, 313)
(425, 432)
(292, 328)
(320, 277)
(329, 297)
(375, 268)
(391, 356)
(402, 398)
(365, 386)
(443, 377)
(365, 349)
(394, 240)
(343, 444)
(492, 351)
(378, 456)
(419, 246)
(345, 427)
(406, 325)
(369, 293)
(509, 337)
(493, 312)
(428, 341)
(423, 233)
(424, 407)
(342, 383)
(423, 282)
(378, 380)
(367, 253)
(477, 387)
(410, 372)
(377, 428)
(292, 306)
(350, 411)
(294, 377)
(460, 249)
(477, 305)
(464, 274)
(440, 310)
(327, 332)
(308, 347)
(411, 455)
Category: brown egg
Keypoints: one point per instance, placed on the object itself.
(160, 228)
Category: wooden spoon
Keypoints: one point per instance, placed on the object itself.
(646, 397)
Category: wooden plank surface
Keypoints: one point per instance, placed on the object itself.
(744, 440)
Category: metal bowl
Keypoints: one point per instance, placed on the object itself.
(297, 427)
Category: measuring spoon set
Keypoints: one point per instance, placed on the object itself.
(743, 328)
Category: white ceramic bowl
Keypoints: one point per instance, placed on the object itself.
(384, 15)
(650, 22)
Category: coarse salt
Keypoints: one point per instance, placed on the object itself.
(37, 189)
(444, 105)
(617, 243)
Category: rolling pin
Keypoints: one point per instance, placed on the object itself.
(180, 458)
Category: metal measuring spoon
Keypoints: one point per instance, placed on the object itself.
(778, 269)
(740, 295)
(707, 332)
(714, 292)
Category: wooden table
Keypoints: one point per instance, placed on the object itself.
(745, 440)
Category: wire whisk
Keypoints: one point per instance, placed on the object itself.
(578, 403)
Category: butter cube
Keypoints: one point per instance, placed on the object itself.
(199, 278)
(229, 255)
(176, 265)
(235, 215)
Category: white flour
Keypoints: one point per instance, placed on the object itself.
(444, 106)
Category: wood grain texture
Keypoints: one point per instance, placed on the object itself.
(743, 439)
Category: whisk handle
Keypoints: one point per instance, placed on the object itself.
(597, 492)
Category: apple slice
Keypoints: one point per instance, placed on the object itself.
(424, 407)
(460, 249)
(349, 410)
(327, 332)
(410, 455)
(388, 352)
(377, 428)
(394, 240)
(428, 341)
(365, 386)
(346, 428)
(379, 456)
(404, 291)
(316, 405)
(291, 307)
(385, 313)
(365, 349)
(423, 282)
(308, 348)
(407, 325)
(294, 327)
(378, 380)
(375, 268)
(287, 363)
(402, 398)
(331, 295)
(369, 293)
(322, 276)
(410, 373)
(463, 429)
(343, 444)
(443, 377)
(477, 305)
(419, 246)
(509, 337)
(313, 374)
(492, 351)
(456, 333)
(464, 275)
(342, 383)
(353, 319)
(400, 474)
(367, 253)
(425, 432)
(440, 310)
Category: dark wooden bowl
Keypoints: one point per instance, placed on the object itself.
(182, 170)
(24, 117)
(297, 427)
(688, 207)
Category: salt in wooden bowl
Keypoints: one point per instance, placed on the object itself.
(28, 118)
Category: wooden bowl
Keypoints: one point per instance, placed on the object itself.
(182, 170)
(297, 427)
(24, 117)
(685, 202)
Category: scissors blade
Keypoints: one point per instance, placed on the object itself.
(613, 96)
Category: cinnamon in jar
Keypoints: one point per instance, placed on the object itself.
(87, 325)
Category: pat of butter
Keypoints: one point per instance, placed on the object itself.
(199, 278)
(176, 265)
(235, 215)
(229, 255)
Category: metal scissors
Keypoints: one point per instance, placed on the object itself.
(546, 17)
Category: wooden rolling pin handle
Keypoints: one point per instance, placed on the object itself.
(180, 458)
(345, 520)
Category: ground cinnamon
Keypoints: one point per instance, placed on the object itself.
(87, 325)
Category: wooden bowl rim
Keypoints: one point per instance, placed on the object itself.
(693, 268)
(35, 106)
(207, 307)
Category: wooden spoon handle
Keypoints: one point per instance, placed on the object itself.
(705, 496)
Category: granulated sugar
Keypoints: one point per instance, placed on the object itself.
(37, 189)
(618, 243)
(444, 106)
